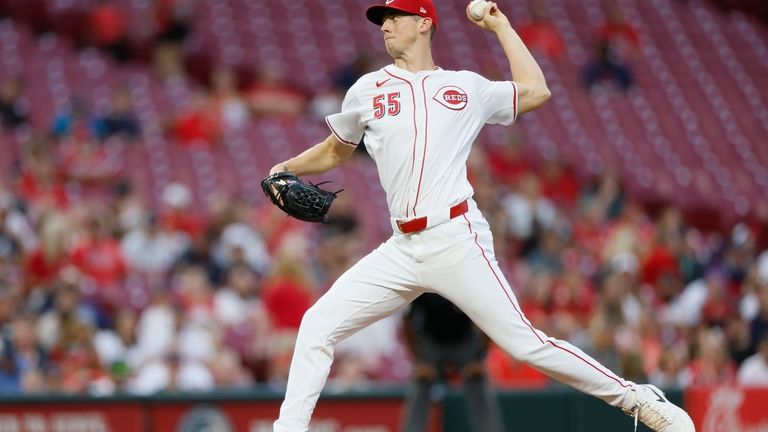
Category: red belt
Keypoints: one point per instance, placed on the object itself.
(420, 224)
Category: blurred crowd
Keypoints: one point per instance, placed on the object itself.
(103, 291)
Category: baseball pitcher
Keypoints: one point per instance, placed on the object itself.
(419, 122)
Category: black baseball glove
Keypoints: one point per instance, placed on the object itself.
(303, 201)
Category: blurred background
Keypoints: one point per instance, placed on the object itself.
(138, 254)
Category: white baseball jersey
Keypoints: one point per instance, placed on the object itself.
(419, 128)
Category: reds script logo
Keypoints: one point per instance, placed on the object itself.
(451, 97)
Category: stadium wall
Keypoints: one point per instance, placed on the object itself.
(723, 409)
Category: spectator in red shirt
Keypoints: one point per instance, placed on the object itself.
(507, 162)
(196, 126)
(537, 302)
(559, 183)
(618, 32)
(271, 96)
(287, 294)
(41, 184)
(659, 261)
(575, 296)
(108, 29)
(540, 35)
(45, 262)
(99, 257)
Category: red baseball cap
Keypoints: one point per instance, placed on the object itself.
(422, 8)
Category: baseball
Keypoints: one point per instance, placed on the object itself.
(477, 9)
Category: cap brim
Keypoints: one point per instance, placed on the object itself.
(375, 13)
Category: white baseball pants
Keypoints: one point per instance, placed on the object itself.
(456, 260)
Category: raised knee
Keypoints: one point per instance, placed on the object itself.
(317, 327)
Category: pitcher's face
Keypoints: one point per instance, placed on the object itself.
(400, 32)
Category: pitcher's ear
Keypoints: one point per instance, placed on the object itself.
(426, 24)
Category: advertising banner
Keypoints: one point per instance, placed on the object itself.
(72, 417)
(728, 409)
(197, 414)
(347, 415)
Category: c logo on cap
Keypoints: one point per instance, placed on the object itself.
(388, 1)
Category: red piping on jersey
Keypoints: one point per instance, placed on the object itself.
(426, 131)
(514, 101)
(415, 134)
(337, 135)
(527, 323)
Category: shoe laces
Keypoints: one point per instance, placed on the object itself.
(652, 417)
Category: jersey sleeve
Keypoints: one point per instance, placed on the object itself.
(347, 125)
(498, 100)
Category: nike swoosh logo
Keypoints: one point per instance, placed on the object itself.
(381, 83)
(660, 399)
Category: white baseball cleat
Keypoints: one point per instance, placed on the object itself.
(655, 411)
